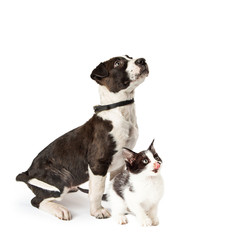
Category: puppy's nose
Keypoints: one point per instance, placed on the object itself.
(140, 62)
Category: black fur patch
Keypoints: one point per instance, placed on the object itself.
(64, 162)
(137, 165)
(115, 78)
(121, 182)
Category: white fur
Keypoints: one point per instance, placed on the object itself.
(124, 132)
(96, 190)
(43, 185)
(142, 201)
(54, 208)
(150, 156)
(125, 129)
(124, 56)
(132, 69)
(150, 166)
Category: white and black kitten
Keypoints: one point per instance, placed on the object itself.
(139, 188)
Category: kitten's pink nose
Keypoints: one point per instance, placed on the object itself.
(156, 165)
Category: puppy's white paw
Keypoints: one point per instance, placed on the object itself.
(56, 209)
(63, 213)
(146, 222)
(101, 213)
(122, 219)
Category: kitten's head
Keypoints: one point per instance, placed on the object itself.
(146, 161)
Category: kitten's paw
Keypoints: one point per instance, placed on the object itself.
(155, 222)
(122, 219)
(101, 213)
(146, 222)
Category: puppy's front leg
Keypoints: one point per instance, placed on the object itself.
(96, 190)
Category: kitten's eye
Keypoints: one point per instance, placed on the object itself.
(117, 63)
(145, 161)
(157, 158)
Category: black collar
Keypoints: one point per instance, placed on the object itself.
(100, 108)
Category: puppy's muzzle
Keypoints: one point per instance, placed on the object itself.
(141, 63)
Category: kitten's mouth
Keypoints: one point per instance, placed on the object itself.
(156, 166)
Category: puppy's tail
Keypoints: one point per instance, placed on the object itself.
(23, 177)
(104, 197)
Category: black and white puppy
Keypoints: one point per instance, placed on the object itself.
(93, 149)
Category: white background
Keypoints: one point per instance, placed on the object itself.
(189, 104)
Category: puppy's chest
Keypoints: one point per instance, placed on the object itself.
(125, 130)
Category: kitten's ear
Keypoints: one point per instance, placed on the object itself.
(151, 147)
(128, 155)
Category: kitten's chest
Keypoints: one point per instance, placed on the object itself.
(148, 192)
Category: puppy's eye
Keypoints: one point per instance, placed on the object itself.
(145, 161)
(117, 63)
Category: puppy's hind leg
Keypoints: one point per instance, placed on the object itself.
(44, 201)
(55, 209)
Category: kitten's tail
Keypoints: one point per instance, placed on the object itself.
(104, 197)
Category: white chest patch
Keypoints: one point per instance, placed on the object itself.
(124, 132)
(153, 190)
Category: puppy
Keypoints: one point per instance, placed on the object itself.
(93, 149)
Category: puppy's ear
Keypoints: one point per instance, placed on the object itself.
(128, 155)
(151, 147)
(99, 72)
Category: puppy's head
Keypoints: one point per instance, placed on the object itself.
(121, 73)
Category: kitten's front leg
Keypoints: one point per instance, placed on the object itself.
(153, 215)
(140, 213)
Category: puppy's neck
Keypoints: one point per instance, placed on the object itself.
(107, 97)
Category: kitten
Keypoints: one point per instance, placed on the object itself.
(139, 188)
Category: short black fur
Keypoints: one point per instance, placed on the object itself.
(114, 78)
(121, 182)
(64, 162)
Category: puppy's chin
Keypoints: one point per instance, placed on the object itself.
(140, 77)
(137, 81)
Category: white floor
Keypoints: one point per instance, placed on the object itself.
(190, 104)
